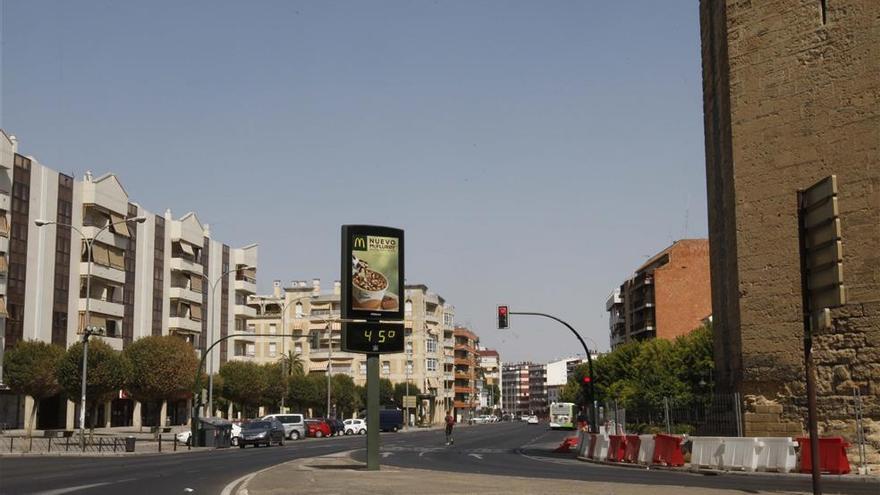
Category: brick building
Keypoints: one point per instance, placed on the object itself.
(791, 96)
(668, 296)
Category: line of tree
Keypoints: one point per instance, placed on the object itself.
(639, 375)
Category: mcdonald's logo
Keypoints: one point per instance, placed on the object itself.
(359, 243)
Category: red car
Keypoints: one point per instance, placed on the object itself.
(317, 428)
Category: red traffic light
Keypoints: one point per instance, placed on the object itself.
(587, 379)
(502, 317)
(502, 310)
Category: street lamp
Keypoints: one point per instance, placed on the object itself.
(87, 330)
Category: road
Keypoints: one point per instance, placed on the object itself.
(504, 449)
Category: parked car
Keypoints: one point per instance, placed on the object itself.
(261, 432)
(294, 425)
(390, 420)
(533, 420)
(482, 419)
(355, 426)
(317, 428)
(185, 436)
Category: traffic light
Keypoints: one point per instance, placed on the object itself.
(503, 314)
(587, 380)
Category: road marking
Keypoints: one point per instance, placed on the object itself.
(70, 489)
(478, 456)
(386, 454)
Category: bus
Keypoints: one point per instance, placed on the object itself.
(562, 415)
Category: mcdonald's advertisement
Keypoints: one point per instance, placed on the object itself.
(374, 273)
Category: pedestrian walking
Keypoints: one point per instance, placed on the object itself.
(450, 422)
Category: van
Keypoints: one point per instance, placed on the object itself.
(390, 419)
(294, 424)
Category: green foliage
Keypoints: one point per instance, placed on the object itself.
(293, 363)
(386, 393)
(243, 383)
(345, 396)
(306, 391)
(30, 368)
(496, 394)
(163, 368)
(108, 371)
(638, 375)
(276, 384)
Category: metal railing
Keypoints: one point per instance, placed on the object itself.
(712, 415)
(98, 444)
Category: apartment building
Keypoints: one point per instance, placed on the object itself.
(515, 388)
(669, 295)
(311, 316)
(538, 389)
(154, 276)
(558, 374)
(488, 376)
(465, 364)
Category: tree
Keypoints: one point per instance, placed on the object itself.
(276, 384)
(306, 391)
(243, 383)
(345, 396)
(293, 363)
(386, 393)
(495, 393)
(108, 372)
(162, 368)
(30, 368)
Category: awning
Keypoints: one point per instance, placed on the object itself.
(3, 306)
(100, 254)
(119, 225)
(186, 248)
(4, 225)
(195, 283)
(117, 258)
(4, 265)
(195, 312)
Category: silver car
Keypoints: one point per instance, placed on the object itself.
(294, 426)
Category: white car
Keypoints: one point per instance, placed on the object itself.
(533, 420)
(355, 426)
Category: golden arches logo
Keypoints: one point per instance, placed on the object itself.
(360, 243)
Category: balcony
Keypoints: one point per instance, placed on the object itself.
(462, 362)
(5, 200)
(110, 308)
(185, 294)
(448, 343)
(247, 286)
(186, 265)
(432, 318)
(105, 272)
(463, 390)
(458, 404)
(107, 237)
(183, 323)
(244, 310)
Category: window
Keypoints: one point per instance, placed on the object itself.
(431, 345)
(409, 367)
(272, 349)
(298, 348)
(386, 367)
(250, 350)
(299, 310)
(431, 364)
(407, 306)
(273, 329)
(363, 368)
(409, 347)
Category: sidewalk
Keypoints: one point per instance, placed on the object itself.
(340, 474)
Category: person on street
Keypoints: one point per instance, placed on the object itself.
(450, 422)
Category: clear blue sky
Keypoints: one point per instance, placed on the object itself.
(535, 152)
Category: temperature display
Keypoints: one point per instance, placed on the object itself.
(373, 337)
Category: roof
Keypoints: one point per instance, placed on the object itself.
(488, 352)
(680, 242)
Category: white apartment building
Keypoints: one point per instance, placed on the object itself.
(490, 374)
(311, 317)
(157, 276)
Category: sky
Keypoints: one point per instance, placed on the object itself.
(535, 153)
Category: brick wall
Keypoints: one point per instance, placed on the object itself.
(682, 292)
(788, 100)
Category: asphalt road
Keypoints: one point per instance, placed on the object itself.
(504, 449)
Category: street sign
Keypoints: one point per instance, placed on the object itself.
(822, 250)
(409, 401)
(372, 289)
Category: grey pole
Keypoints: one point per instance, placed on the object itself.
(283, 352)
(329, 363)
(86, 323)
(372, 412)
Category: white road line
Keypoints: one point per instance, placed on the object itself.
(478, 456)
(70, 489)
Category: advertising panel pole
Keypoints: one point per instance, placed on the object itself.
(372, 412)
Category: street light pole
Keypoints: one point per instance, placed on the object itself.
(87, 331)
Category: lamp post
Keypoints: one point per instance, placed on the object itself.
(87, 330)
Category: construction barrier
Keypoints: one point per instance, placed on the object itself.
(592, 452)
(667, 450)
(566, 445)
(616, 447)
(741, 453)
(707, 452)
(631, 453)
(646, 449)
(601, 449)
(778, 454)
(583, 443)
(832, 455)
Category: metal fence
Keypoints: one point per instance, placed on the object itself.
(715, 415)
(98, 444)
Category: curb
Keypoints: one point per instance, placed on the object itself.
(853, 478)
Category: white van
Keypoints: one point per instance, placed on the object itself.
(294, 424)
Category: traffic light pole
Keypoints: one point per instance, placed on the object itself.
(594, 427)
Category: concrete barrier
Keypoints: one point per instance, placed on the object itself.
(777, 454)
